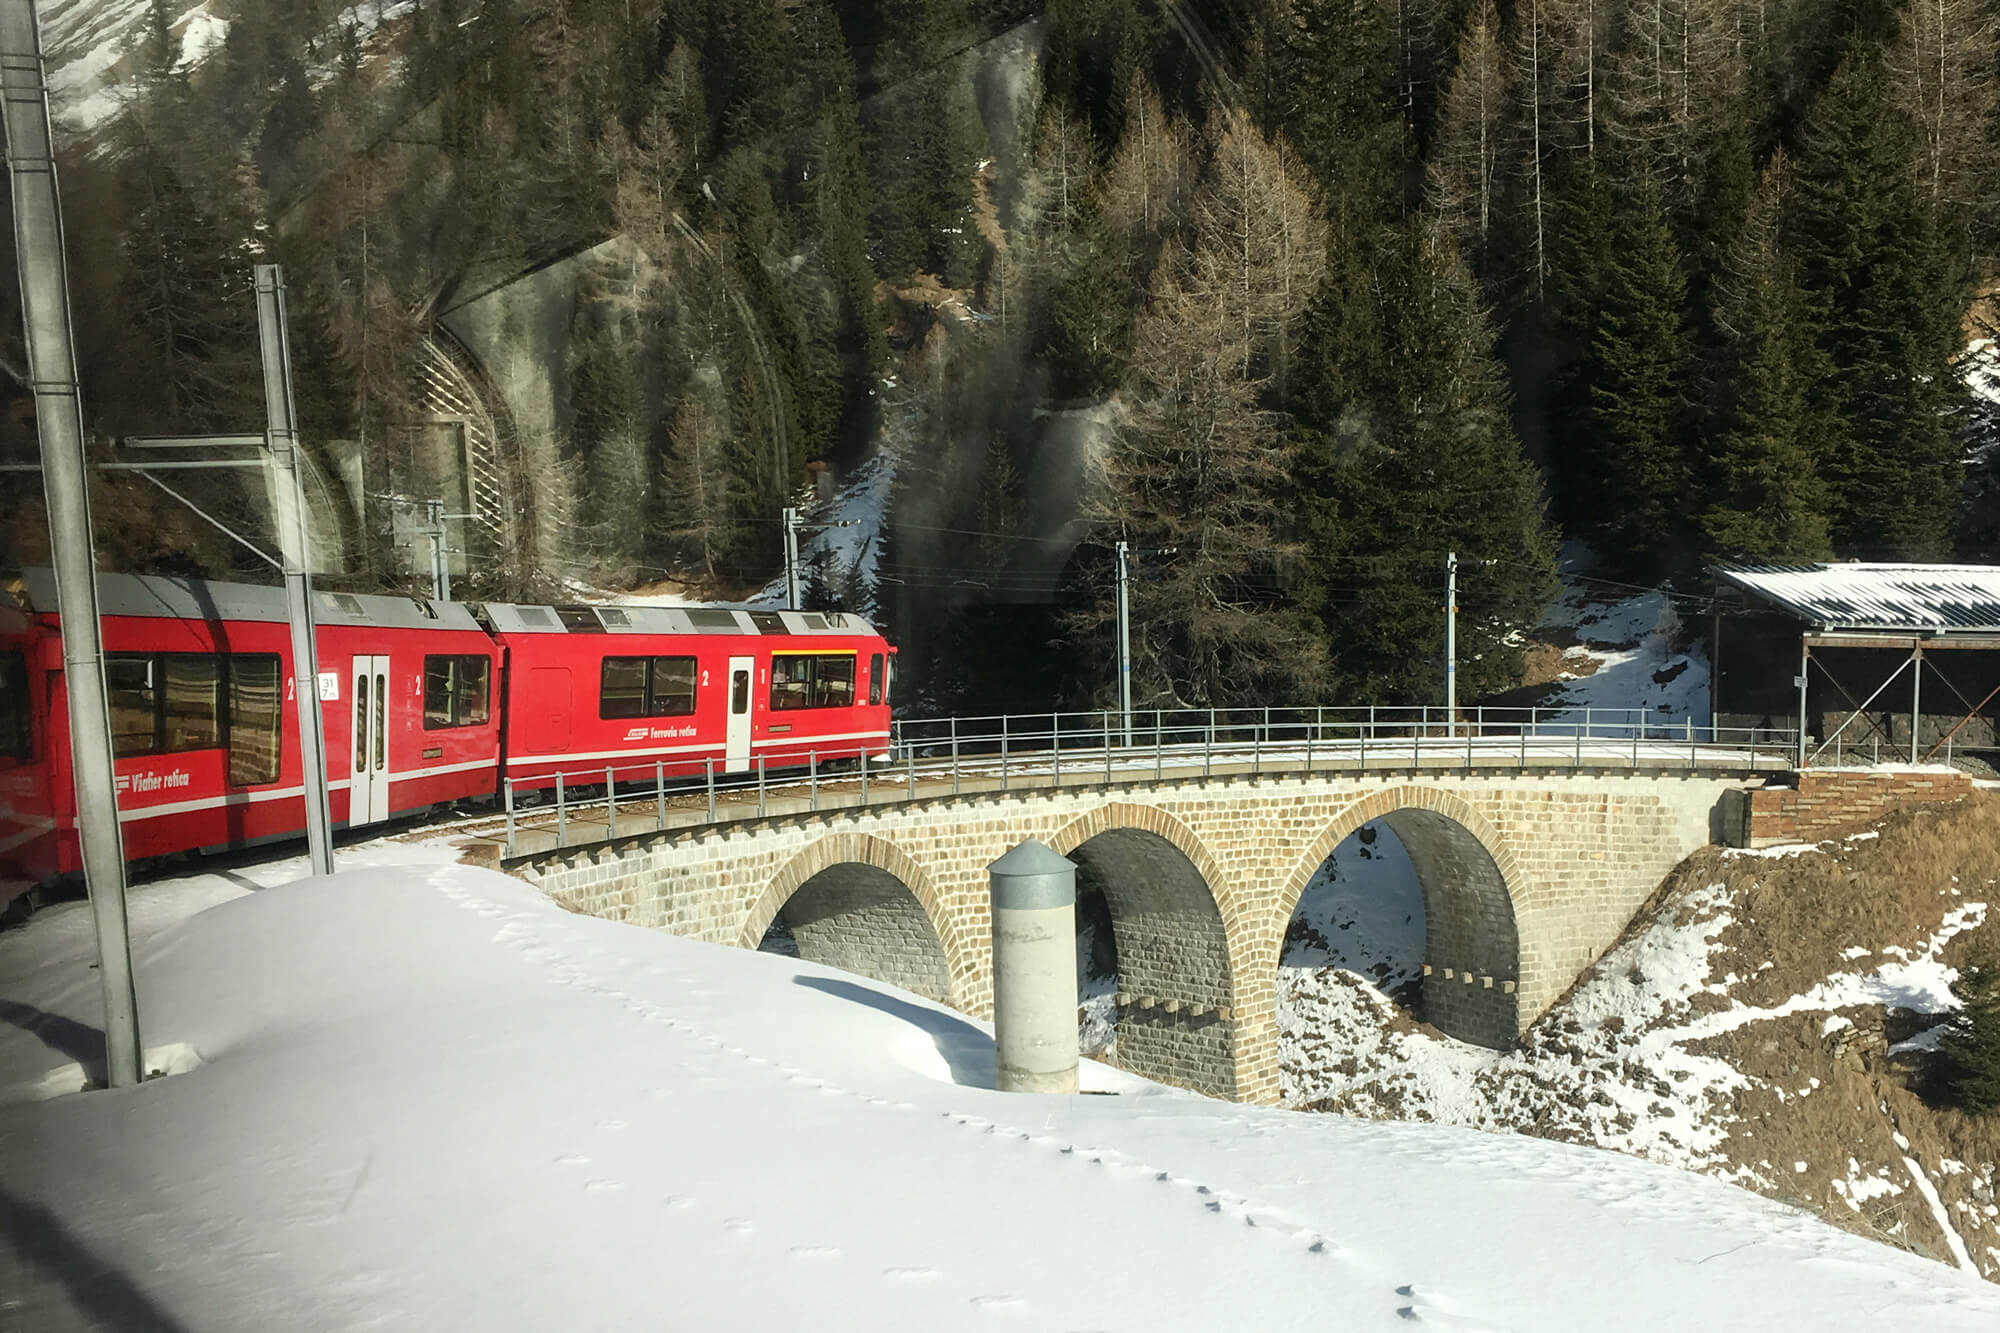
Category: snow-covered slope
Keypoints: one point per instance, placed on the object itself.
(89, 46)
(1623, 651)
(426, 1098)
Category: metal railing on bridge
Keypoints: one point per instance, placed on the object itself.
(931, 757)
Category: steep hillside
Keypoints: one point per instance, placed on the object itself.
(1767, 1021)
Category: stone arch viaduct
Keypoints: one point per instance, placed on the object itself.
(1527, 878)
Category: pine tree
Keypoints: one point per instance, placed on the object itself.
(1885, 303)
(925, 141)
(698, 496)
(1625, 412)
(1676, 69)
(608, 431)
(1970, 1047)
(1337, 98)
(1640, 361)
(188, 249)
(1088, 315)
(1410, 455)
(1769, 503)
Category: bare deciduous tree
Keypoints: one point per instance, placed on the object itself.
(1463, 171)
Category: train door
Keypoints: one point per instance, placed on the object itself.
(547, 695)
(368, 787)
(742, 675)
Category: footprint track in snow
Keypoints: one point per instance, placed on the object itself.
(814, 1251)
(1428, 1310)
(567, 972)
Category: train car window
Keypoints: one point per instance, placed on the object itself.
(791, 681)
(671, 690)
(739, 694)
(255, 715)
(381, 721)
(16, 729)
(135, 713)
(833, 682)
(193, 699)
(621, 687)
(875, 682)
(458, 690)
(809, 680)
(473, 695)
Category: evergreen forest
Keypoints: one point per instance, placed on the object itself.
(1291, 297)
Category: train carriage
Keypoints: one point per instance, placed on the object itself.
(204, 724)
(633, 691)
(424, 703)
(28, 656)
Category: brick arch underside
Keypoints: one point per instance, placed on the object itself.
(1471, 939)
(1173, 959)
(1472, 991)
(871, 915)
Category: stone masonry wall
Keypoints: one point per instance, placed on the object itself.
(861, 919)
(1576, 853)
(1471, 945)
(1829, 802)
(1173, 960)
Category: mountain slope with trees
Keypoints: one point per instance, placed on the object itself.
(1351, 286)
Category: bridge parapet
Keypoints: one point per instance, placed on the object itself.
(1067, 751)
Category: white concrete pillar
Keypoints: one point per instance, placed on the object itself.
(1034, 970)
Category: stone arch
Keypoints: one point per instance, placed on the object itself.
(1469, 878)
(1173, 916)
(864, 905)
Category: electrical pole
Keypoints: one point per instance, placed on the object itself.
(1124, 645)
(440, 560)
(45, 317)
(293, 548)
(792, 599)
(1450, 643)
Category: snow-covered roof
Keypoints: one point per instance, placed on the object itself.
(1950, 599)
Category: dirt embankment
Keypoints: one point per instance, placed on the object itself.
(1767, 1020)
(1838, 1112)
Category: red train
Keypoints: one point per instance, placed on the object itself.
(425, 703)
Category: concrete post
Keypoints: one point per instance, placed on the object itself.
(45, 323)
(1034, 970)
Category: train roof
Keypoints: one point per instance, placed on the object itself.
(178, 598)
(515, 618)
